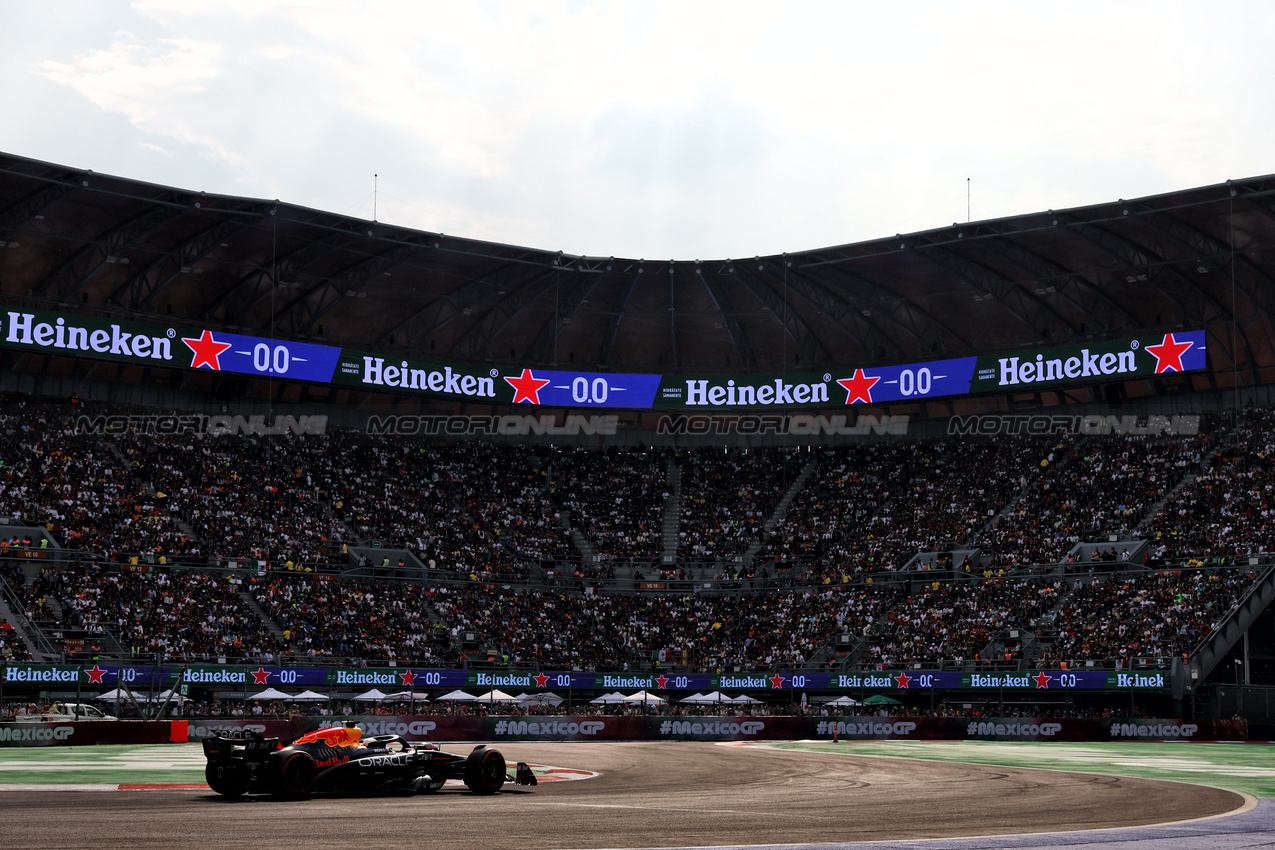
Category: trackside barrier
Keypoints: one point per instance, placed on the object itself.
(94, 732)
(594, 728)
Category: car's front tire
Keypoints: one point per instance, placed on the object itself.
(485, 771)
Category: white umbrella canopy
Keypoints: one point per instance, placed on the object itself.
(374, 695)
(547, 698)
(120, 693)
(842, 701)
(457, 696)
(743, 699)
(272, 693)
(608, 699)
(693, 699)
(710, 698)
(409, 696)
(310, 696)
(495, 696)
(645, 697)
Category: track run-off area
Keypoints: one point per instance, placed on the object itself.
(682, 794)
(1247, 768)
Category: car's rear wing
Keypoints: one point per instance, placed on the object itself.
(242, 742)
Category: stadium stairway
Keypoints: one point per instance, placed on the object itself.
(672, 513)
(1038, 640)
(582, 544)
(820, 660)
(20, 625)
(1033, 484)
(1000, 643)
(1154, 510)
(781, 510)
(177, 519)
(271, 626)
(1214, 648)
(119, 455)
(1187, 480)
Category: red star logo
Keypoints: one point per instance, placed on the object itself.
(260, 676)
(527, 387)
(858, 388)
(541, 680)
(777, 681)
(409, 678)
(206, 350)
(95, 675)
(1042, 680)
(903, 679)
(1168, 354)
(662, 681)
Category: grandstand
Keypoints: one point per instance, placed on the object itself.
(1112, 523)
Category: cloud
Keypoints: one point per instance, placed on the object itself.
(673, 129)
(147, 146)
(147, 84)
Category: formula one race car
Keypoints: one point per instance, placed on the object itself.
(341, 761)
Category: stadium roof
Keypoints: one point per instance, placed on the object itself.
(1198, 257)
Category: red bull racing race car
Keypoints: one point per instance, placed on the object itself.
(341, 761)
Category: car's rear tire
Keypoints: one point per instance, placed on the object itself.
(296, 776)
(485, 771)
(227, 778)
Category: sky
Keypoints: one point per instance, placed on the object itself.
(679, 130)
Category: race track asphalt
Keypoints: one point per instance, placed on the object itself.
(657, 794)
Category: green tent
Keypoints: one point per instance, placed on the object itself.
(881, 699)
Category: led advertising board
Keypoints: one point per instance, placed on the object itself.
(152, 344)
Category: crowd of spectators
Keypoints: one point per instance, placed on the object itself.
(247, 499)
(497, 516)
(753, 631)
(323, 617)
(615, 498)
(76, 487)
(193, 615)
(956, 621)
(1152, 615)
(727, 496)
(1228, 511)
(472, 508)
(871, 508)
(1093, 487)
(501, 511)
(158, 613)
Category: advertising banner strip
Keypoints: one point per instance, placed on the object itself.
(238, 677)
(77, 733)
(638, 728)
(152, 344)
(749, 728)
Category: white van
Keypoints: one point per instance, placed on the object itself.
(67, 711)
